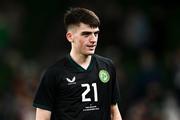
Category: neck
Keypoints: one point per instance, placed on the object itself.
(82, 60)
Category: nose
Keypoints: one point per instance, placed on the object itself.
(92, 38)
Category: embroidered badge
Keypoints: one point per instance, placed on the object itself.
(104, 76)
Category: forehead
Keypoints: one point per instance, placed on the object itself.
(84, 27)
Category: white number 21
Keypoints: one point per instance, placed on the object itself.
(84, 99)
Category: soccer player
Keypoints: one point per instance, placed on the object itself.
(82, 85)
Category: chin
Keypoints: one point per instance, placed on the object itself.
(90, 53)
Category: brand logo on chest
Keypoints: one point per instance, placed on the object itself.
(71, 81)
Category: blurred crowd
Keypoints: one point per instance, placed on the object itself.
(142, 40)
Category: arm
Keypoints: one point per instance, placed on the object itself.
(42, 114)
(115, 113)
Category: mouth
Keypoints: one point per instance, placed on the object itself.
(91, 46)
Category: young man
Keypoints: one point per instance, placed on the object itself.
(82, 85)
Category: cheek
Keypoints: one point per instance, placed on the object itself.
(82, 42)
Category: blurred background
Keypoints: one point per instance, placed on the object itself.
(142, 38)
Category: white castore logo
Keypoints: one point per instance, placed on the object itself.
(71, 81)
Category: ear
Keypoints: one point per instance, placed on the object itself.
(69, 36)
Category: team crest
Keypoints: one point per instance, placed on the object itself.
(104, 76)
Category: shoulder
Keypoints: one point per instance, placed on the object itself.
(105, 64)
(51, 74)
(55, 68)
(103, 59)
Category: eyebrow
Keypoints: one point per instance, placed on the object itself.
(88, 33)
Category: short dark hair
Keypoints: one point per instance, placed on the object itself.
(75, 16)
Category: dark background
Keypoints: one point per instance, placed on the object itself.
(141, 37)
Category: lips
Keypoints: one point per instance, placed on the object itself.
(91, 45)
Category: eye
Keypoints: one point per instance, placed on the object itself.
(96, 34)
(86, 35)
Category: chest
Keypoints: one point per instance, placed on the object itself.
(83, 86)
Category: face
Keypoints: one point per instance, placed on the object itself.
(83, 39)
